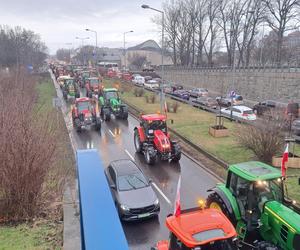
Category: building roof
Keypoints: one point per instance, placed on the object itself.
(149, 45)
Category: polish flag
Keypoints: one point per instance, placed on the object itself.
(177, 208)
(284, 161)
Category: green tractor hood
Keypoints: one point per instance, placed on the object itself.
(115, 103)
(281, 225)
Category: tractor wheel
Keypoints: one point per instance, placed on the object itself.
(124, 112)
(106, 116)
(177, 157)
(150, 156)
(263, 245)
(137, 142)
(98, 125)
(90, 94)
(215, 201)
(87, 94)
(76, 124)
(65, 95)
(77, 95)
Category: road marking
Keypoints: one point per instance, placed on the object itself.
(161, 192)
(112, 133)
(131, 157)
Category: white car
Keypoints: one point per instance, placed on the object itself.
(138, 80)
(151, 84)
(241, 112)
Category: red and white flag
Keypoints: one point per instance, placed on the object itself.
(284, 161)
(177, 208)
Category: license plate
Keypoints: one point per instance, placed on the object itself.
(143, 215)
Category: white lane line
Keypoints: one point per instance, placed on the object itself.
(161, 193)
(131, 157)
(113, 135)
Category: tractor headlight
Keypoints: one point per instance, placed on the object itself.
(124, 207)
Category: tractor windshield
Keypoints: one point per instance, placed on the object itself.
(112, 95)
(83, 106)
(158, 125)
(94, 82)
(69, 81)
(267, 190)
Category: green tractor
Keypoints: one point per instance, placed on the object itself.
(111, 103)
(254, 201)
(70, 88)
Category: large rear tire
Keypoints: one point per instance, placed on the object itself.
(76, 124)
(263, 245)
(215, 201)
(137, 142)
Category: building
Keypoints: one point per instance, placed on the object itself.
(151, 50)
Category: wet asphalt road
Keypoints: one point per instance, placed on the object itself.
(116, 142)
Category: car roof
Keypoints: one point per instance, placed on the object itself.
(242, 108)
(189, 223)
(82, 99)
(255, 170)
(124, 167)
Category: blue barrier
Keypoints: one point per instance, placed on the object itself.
(99, 220)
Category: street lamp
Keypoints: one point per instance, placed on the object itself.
(145, 6)
(96, 35)
(124, 47)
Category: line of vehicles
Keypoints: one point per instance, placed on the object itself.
(250, 211)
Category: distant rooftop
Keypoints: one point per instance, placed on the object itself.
(147, 45)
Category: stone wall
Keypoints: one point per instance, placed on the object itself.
(253, 84)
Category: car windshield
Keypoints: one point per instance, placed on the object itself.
(94, 81)
(132, 181)
(239, 98)
(69, 81)
(112, 94)
(83, 106)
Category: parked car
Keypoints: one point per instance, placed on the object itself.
(240, 111)
(138, 80)
(147, 78)
(265, 106)
(151, 84)
(183, 94)
(167, 88)
(198, 92)
(296, 127)
(206, 101)
(134, 197)
(176, 87)
(226, 101)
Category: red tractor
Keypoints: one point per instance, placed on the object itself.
(152, 139)
(85, 113)
(93, 86)
(199, 229)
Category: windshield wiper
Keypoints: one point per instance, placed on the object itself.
(130, 184)
(140, 180)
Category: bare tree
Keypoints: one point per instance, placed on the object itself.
(281, 17)
(137, 60)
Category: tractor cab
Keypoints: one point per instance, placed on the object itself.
(153, 122)
(253, 199)
(199, 229)
(84, 105)
(93, 86)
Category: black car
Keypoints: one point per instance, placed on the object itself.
(133, 195)
(265, 106)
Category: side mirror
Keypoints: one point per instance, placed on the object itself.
(113, 186)
(150, 180)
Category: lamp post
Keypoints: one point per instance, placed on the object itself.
(96, 36)
(144, 6)
(124, 47)
(82, 43)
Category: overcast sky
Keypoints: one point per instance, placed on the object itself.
(59, 22)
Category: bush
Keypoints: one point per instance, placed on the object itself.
(265, 139)
(138, 92)
(29, 150)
